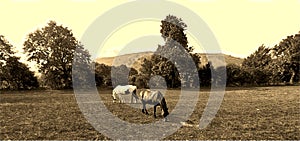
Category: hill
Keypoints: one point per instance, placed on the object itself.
(135, 59)
(216, 59)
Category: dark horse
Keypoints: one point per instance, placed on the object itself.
(155, 98)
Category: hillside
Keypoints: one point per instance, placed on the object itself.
(135, 59)
(216, 59)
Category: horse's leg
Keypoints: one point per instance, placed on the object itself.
(144, 110)
(123, 100)
(120, 98)
(132, 97)
(154, 110)
(164, 107)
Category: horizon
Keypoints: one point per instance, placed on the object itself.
(204, 53)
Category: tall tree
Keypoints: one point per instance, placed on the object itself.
(173, 28)
(163, 64)
(53, 48)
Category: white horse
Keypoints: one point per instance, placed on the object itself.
(120, 91)
(155, 98)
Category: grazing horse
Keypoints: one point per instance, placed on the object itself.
(120, 91)
(155, 98)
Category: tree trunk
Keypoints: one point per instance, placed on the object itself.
(292, 77)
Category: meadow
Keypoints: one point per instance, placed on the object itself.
(245, 113)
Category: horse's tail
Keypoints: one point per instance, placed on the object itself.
(164, 106)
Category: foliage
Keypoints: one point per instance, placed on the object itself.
(119, 75)
(102, 75)
(18, 75)
(257, 64)
(53, 48)
(14, 74)
(116, 75)
(133, 73)
(259, 59)
(278, 64)
(144, 76)
(218, 79)
(205, 75)
(287, 58)
(6, 50)
(173, 28)
(237, 76)
(167, 69)
(169, 59)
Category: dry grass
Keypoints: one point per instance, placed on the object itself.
(246, 113)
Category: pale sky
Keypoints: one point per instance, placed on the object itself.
(240, 26)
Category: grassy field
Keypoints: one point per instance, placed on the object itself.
(246, 113)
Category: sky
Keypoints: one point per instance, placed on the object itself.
(239, 26)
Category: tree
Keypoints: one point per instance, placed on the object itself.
(218, 79)
(102, 75)
(237, 76)
(173, 28)
(53, 48)
(6, 50)
(5, 54)
(145, 73)
(133, 74)
(257, 64)
(175, 48)
(287, 58)
(123, 75)
(167, 69)
(259, 59)
(18, 75)
(14, 74)
(205, 74)
(173, 32)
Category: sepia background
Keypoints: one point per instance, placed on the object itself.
(259, 40)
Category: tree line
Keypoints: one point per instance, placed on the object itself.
(266, 66)
(53, 48)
